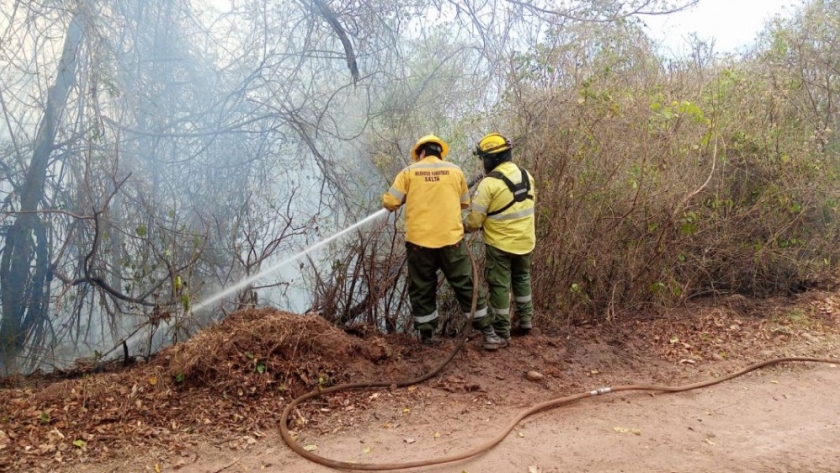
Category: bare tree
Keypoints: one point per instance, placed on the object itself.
(25, 260)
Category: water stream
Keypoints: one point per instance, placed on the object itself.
(265, 272)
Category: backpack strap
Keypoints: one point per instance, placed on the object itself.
(521, 191)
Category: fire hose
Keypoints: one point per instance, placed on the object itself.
(287, 437)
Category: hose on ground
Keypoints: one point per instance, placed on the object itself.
(287, 437)
(516, 420)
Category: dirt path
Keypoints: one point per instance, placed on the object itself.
(780, 420)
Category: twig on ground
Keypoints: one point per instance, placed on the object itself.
(234, 462)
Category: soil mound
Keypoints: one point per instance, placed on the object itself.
(265, 348)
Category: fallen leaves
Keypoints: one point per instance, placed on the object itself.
(207, 387)
(55, 435)
(708, 336)
(310, 447)
(46, 448)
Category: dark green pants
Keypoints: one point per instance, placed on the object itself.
(423, 265)
(505, 271)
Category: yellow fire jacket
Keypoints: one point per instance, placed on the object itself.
(512, 230)
(434, 193)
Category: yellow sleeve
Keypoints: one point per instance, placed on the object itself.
(478, 209)
(395, 197)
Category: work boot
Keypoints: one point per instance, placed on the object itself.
(426, 337)
(525, 326)
(492, 341)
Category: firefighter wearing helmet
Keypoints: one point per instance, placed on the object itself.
(434, 192)
(503, 209)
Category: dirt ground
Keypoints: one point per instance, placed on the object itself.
(784, 418)
(779, 421)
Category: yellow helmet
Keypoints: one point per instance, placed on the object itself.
(492, 143)
(444, 148)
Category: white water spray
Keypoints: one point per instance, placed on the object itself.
(245, 282)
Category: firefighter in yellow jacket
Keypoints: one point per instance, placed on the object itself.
(434, 193)
(504, 208)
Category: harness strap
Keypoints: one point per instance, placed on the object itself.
(520, 191)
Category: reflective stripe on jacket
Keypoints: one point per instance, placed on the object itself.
(512, 230)
(434, 193)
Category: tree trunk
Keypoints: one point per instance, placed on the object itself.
(24, 274)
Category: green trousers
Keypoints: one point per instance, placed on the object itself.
(505, 271)
(453, 261)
